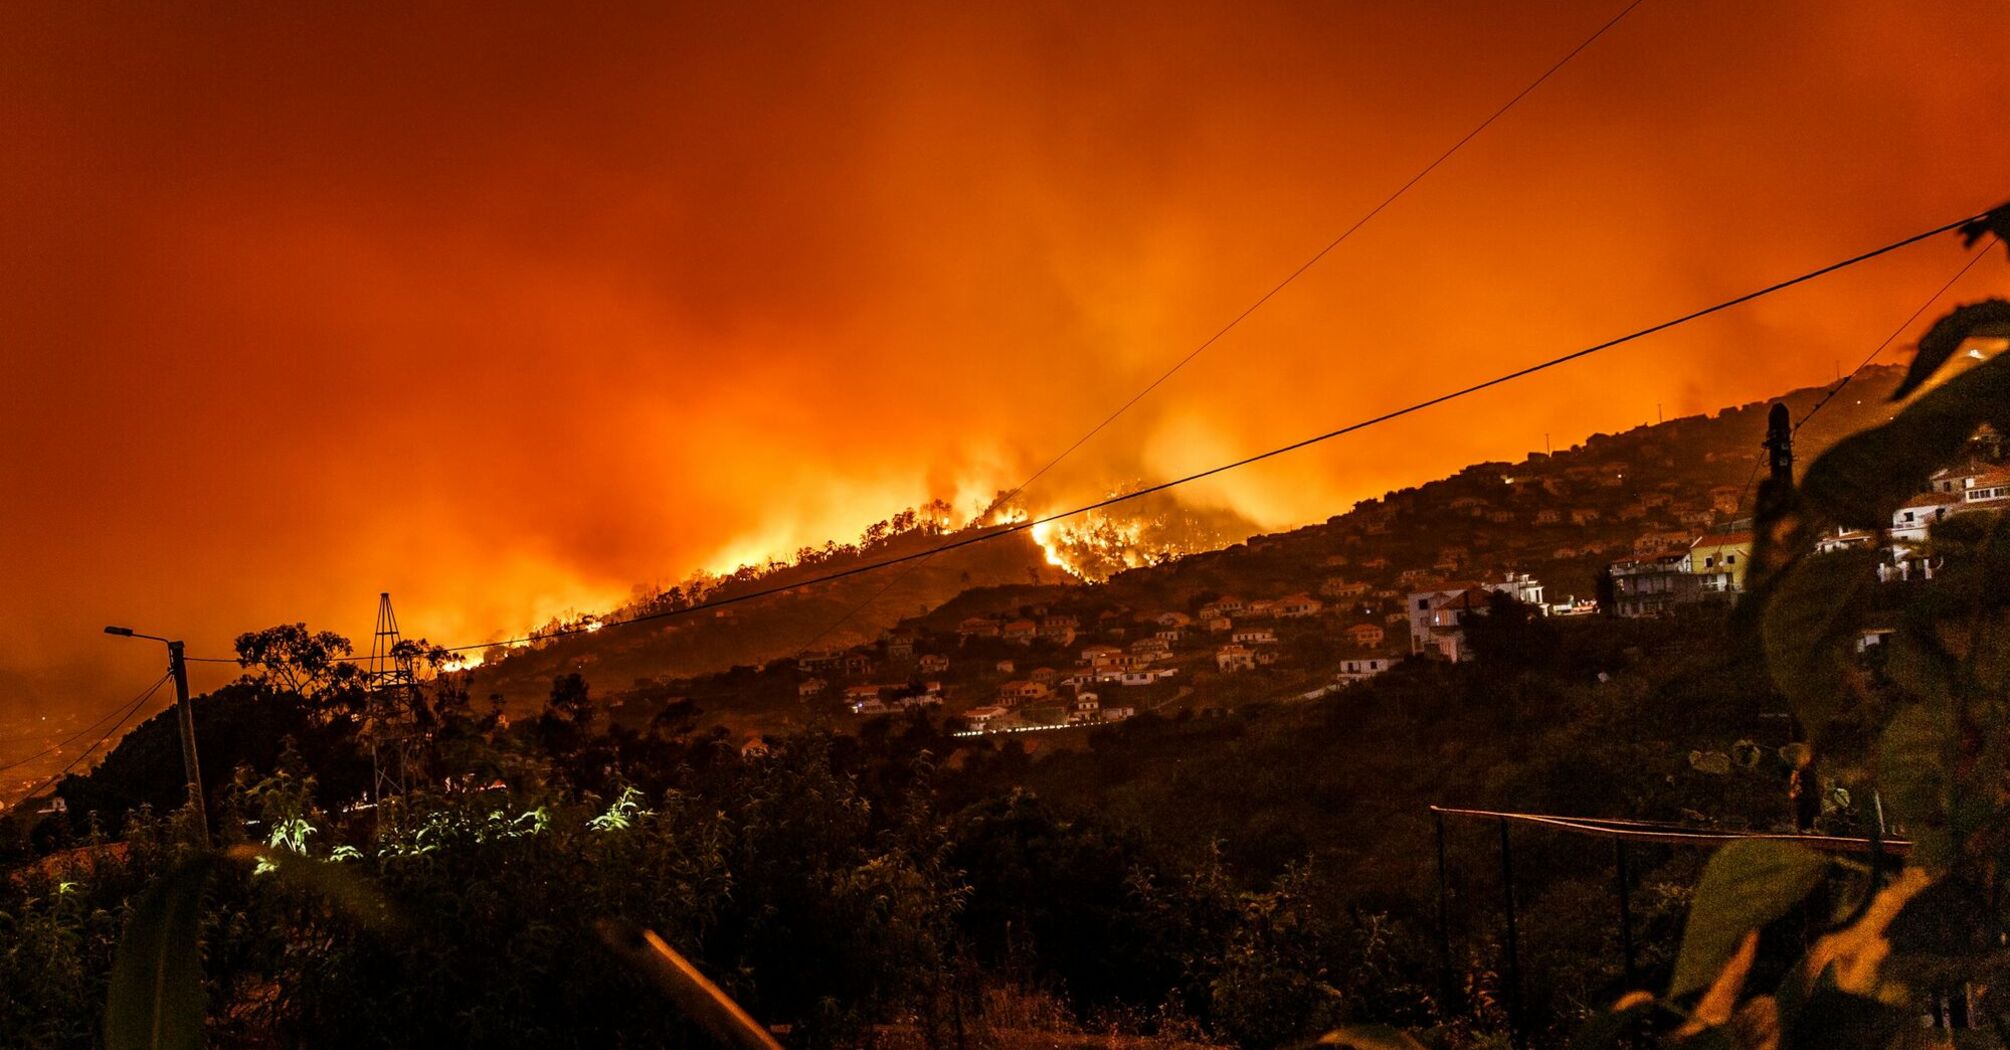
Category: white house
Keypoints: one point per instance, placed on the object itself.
(1098, 656)
(1231, 658)
(983, 717)
(1909, 523)
(1989, 488)
(1429, 627)
(1023, 691)
(1360, 669)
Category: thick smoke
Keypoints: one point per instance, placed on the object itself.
(505, 310)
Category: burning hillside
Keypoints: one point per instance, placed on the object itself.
(1147, 531)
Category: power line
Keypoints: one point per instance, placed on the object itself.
(68, 740)
(1334, 243)
(1896, 332)
(1669, 833)
(1022, 526)
(130, 710)
(1760, 459)
(1260, 302)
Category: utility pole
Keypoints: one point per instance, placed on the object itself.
(185, 718)
(1780, 443)
(1804, 788)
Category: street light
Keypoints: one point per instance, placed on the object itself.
(185, 717)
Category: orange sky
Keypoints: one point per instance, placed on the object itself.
(506, 310)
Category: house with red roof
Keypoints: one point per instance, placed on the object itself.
(1910, 522)
(1298, 605)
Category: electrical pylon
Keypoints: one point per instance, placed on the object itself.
(392, 689)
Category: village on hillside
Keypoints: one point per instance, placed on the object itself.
(1639, 525)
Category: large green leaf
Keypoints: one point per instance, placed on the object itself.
(1918, 663)
(1915, 761)
(1867, 476)
(1945, 926)
(1810, 625)
(1972, 552)
(1990, 317)
(156, 996)
(1830, 1019)
(156, 1001)
(1746, 885)
(346, 889)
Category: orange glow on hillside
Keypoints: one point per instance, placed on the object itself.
(512, 315)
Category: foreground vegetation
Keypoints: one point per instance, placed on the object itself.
(1255, 879)
(1251, 879)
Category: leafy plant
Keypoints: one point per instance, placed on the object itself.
(1930, 730)
(156, 999)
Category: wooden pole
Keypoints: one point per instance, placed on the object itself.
(1445, 991)
(185, 718)
(1625, 910)
(1513, 974)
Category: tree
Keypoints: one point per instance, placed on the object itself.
(566, 725)
(292, 659)
(1511, 637)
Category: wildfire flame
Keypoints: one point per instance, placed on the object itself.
(1100, 544)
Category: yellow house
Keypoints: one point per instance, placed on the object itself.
(1719, 560)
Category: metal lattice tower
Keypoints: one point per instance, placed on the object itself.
(391, 684)
(386, 669)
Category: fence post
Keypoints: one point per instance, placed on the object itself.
(1619, 854)
(1513, 974)
(1445, 994)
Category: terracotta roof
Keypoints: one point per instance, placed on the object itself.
(1667, 555)
(1470, 598)
(1931, 499)
(1961, 470)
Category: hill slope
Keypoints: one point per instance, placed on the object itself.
(1560, 517)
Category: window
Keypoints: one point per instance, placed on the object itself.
(1730, 559)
